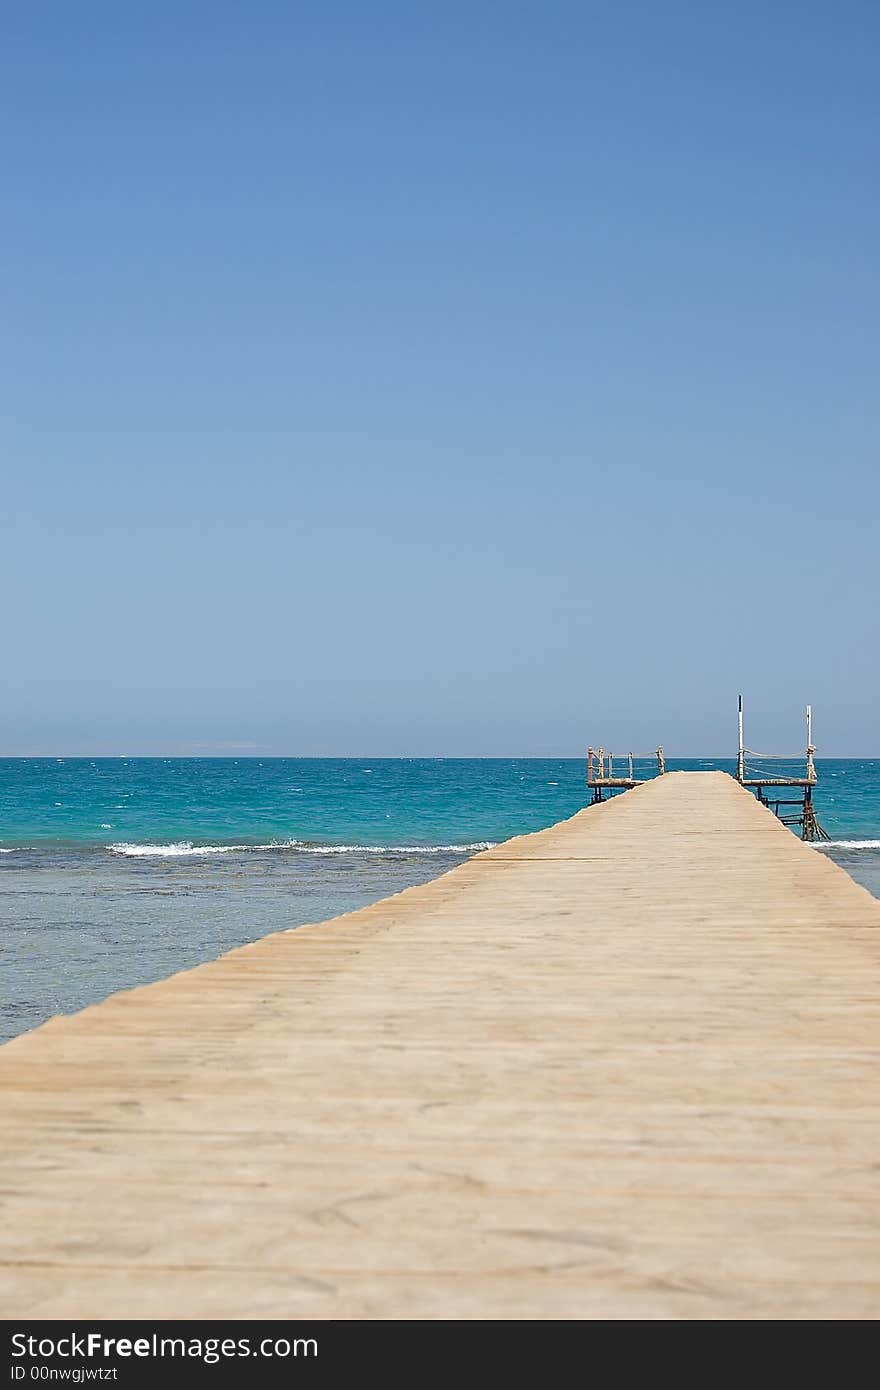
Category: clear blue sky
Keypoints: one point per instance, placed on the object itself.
(448, 378)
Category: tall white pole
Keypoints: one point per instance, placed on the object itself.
(740, 759)
(811, 770)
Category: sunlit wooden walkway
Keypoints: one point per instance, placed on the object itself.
(628, 1067)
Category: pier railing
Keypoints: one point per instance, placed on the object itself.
(601, 764)
(771, 775)
(609, 772)
(786, 769)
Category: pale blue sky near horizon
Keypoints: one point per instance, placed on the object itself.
(407, 379)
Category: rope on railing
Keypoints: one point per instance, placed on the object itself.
(598, 760)
(776, 765)
(784, 757)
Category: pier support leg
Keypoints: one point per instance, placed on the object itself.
(812, 830)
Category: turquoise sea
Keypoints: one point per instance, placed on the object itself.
(114, 872)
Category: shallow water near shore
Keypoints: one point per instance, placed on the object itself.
(115, 872)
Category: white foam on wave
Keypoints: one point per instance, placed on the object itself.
(182, 849)
(397, 849)
(849, 844)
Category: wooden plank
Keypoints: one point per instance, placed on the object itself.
(622, 1068)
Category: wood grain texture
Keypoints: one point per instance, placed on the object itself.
(626, 1067)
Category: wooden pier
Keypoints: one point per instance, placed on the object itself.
(622, 1068)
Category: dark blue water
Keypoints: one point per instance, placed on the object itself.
(114, 872)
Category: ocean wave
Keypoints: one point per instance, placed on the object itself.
(397, 849)
(850, 844)
(182, 849)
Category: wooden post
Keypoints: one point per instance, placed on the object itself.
(601, 762)
(630, 767)
(589, 766)
(811, 766)
(661, 762)
(741, 751)
(610, 764)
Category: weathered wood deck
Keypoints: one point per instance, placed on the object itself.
(623, 1068)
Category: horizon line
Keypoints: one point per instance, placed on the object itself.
(410, 757)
